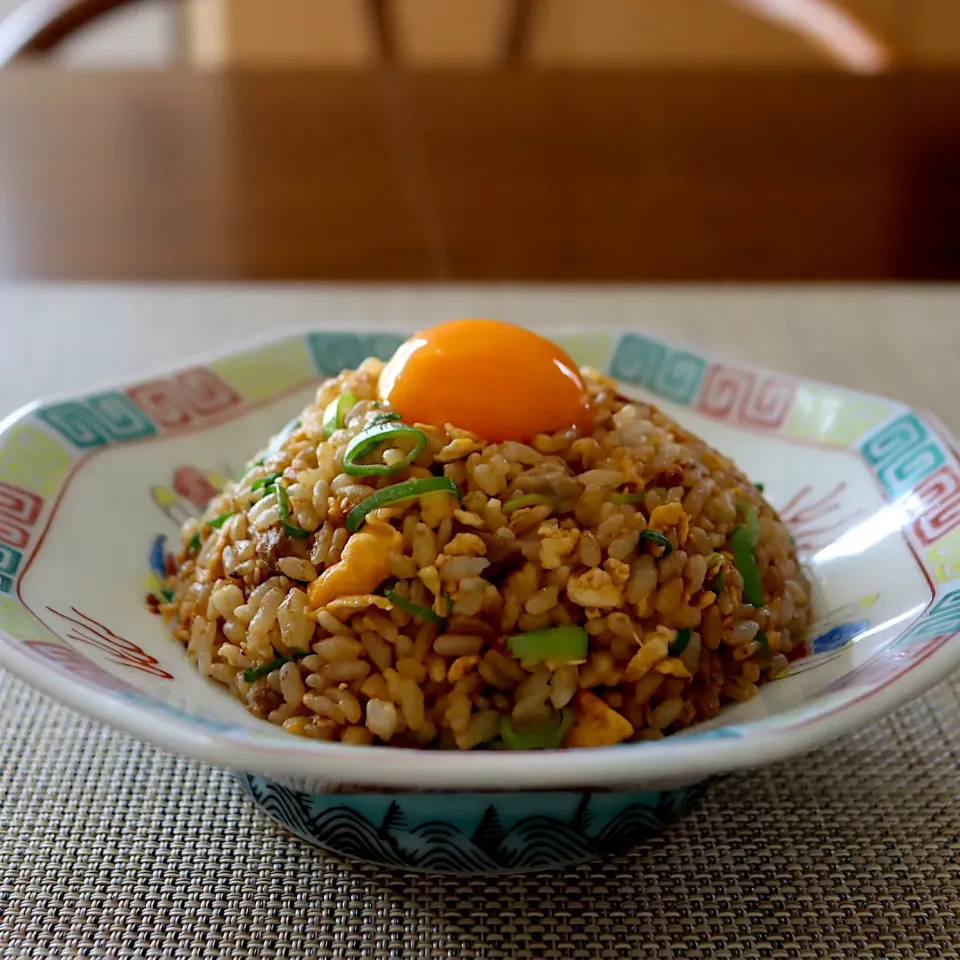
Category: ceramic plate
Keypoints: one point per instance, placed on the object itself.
(93, 490)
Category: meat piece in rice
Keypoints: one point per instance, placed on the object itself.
(399, 631)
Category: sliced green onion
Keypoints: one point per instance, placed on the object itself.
(283, 499)
(264, 482)
(717, 585)
(218, 522)
(167, 595)
(336, 412)
(414, 609)
(741, 544)
(680, 644)
(526, 500)
(658, 539)
(407, 490)
(622, 498)
(365, 442)
(257, 672)
(751, 520)
(546, 736)
(763, 640)
(759, 487)
(555, 643)
(194, 543)
(281, 438)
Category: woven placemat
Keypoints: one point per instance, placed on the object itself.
(111, 849)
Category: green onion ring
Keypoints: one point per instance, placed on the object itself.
(283, 499)
(658, 539)
(621, 498)
(365, 442)
(397, 493)
(256, 673)
(555, 643)
(336, 413)
(680, 644)
(414, 609)
(751, 521)
(741, 545)
(546, 736)
(266, 482)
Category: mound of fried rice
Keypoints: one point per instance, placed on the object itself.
(349, 664)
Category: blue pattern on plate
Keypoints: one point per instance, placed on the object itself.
(839, 636)
(671, 373)
(157, 555)
(940, 620)
(469, 834)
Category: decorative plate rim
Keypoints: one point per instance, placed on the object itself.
(691, 757)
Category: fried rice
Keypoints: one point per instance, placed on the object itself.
(403, 630)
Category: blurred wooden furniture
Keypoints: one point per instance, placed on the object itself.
(479, 176)
(858, 35)
(335, 33)
(37, 27)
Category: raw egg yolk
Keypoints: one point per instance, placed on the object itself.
(498, 381)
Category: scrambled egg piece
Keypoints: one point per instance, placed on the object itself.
(461, 446)
(628, 467)
(670, 515)
(618, 570)
(556, 545)
(437, 507)
(359, 602)
(465, 545)
(665, 516)
(673, 667)
(362, 566)
(430, 578)
(468, 518)
(595, 588)
(596, 724)
(461, 667)
(655, 648)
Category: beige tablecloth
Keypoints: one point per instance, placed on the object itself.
(111, 849)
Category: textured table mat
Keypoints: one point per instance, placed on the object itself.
(110, 849)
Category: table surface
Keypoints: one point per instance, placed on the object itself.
(111, 849)
(483, 175)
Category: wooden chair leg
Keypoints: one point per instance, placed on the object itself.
(380, 14)
(517, 29)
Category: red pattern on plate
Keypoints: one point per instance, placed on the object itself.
(179, 400)
(736, 395)
(79, 665)
(19, 510)
(124, 652)
(815, 523)
(936, 505)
